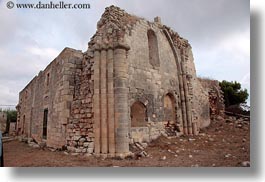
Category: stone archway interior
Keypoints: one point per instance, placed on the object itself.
(138, 115)
(169, 109)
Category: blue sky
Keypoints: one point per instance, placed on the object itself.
(218, 31)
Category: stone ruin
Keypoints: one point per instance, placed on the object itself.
(136, 81)
(216, 98)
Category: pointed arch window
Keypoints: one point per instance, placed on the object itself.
(153, 48)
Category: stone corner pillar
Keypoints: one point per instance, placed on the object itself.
(96, 101)
(121, 90)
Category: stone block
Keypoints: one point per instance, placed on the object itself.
(90, 150)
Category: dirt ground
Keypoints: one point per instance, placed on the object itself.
(223, 143)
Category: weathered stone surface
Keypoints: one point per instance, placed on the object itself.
(216, 99)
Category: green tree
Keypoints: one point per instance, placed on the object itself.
(233, 94)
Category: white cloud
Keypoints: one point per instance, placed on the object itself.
(31, 39)
(44, 55)
(237, 44)
(228, 58)
(246, 79)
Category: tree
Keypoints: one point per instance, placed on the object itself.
(11, 117)
(233, 94)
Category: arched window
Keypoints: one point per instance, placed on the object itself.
(153, 48)
(138, 115)
(169, 108)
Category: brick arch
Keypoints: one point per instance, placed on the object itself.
(138, 114)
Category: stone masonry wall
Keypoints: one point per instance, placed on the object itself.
(80, 133)
(52, 89)
(198, 93)
(148, 83)
(215, 98)
(175, 75)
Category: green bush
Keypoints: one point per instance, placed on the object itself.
(233, 94)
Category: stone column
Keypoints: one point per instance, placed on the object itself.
(121, 99)
(103, 101)
(187, 102)
(96, 101)
(180, 78)
(195, 128)
(110, 95)
(183, 97)
(183, 105)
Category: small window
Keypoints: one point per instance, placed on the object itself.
(153, 48)
(48, 79)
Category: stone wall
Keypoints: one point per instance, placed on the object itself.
(174, 74)
(149, 83)
(215, 98)
(80, 132)
(52, 89)
(197, 93)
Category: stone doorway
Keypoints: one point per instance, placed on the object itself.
(169, 109)
(23, 125)
(45, 121)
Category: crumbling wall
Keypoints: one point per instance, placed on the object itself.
(194, 97)
(215, 97)
(80, 132)
(198, 94)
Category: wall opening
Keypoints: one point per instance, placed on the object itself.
(26, 95)
(23, 124)
(153, 48)
(169, 108)
(45, 121)
(138, 115)
(48, 79)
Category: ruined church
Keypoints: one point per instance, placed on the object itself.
(134, 82)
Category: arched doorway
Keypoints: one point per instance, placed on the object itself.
(138, 114)
(23, 124)
(169, 109)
